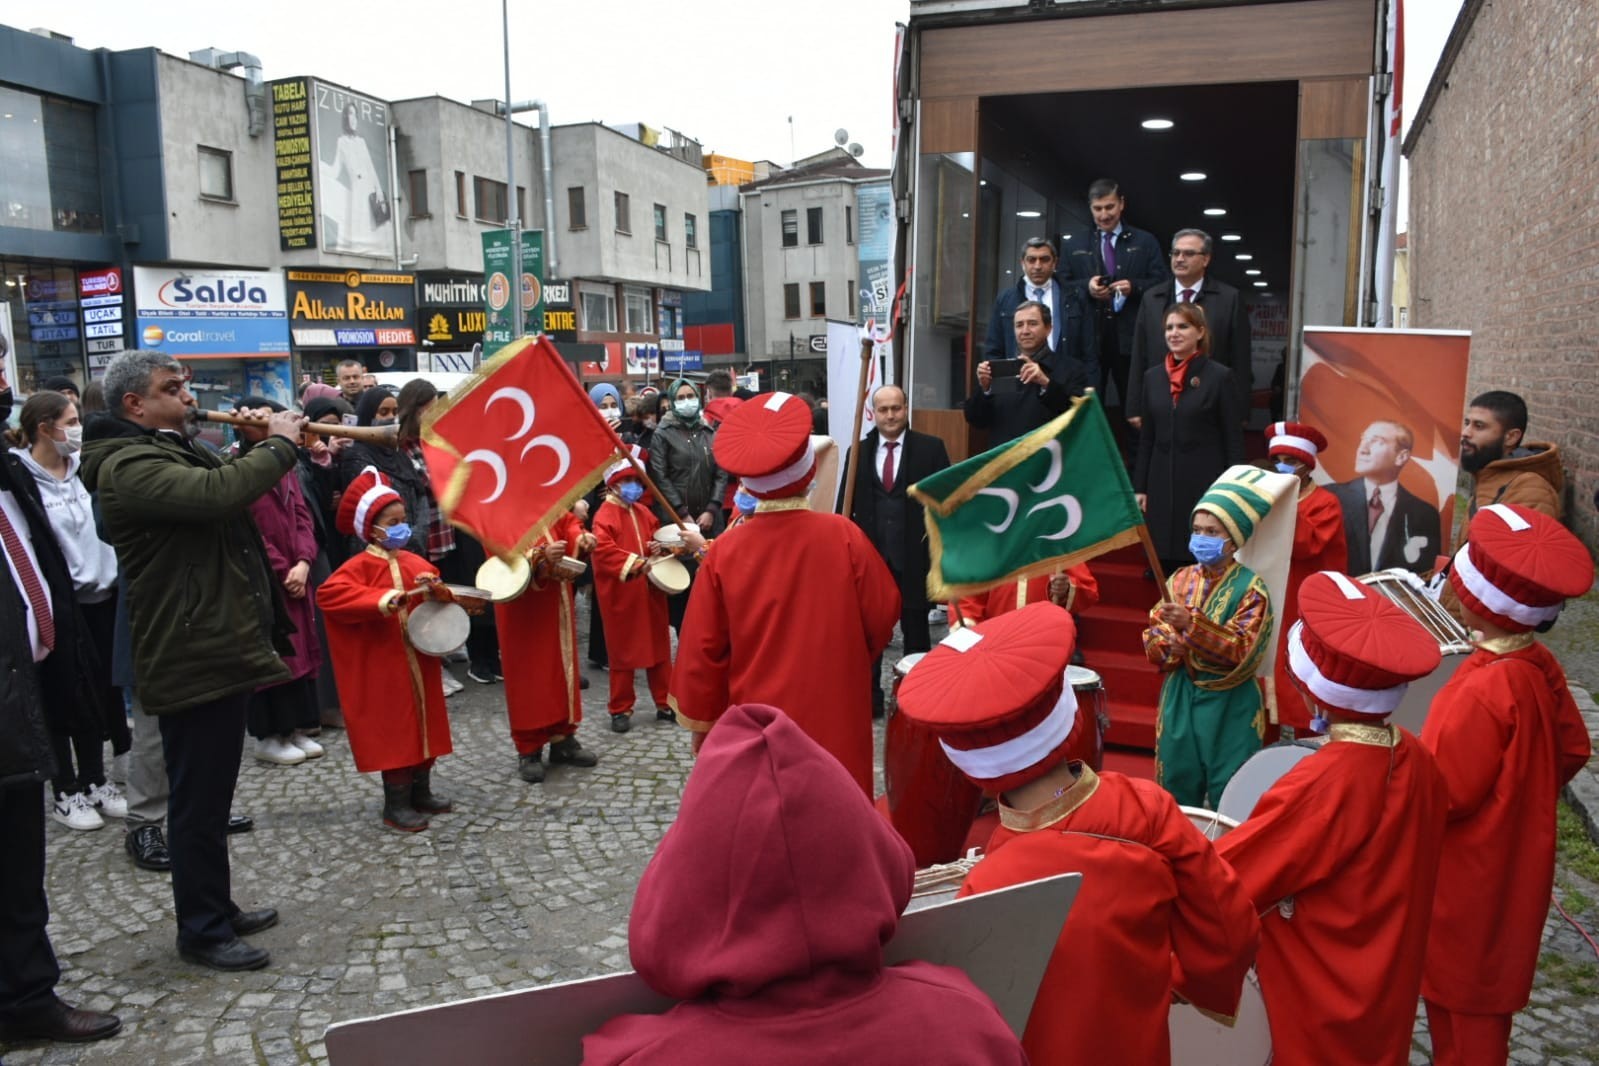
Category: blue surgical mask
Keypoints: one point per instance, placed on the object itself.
(1287, 468)
(1207, 550)
(744, 502)
(631, 491)
(397, 536)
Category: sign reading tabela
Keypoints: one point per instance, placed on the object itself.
(291, 130)
(498, 287)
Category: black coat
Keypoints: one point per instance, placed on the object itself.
(395, 465)
(1182, 450)
(1011, 409)
(56, 695)
(1412, 517)
(920, 455)
(1139, 259)
(1227, 318)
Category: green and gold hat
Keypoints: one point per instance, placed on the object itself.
(1238, 505)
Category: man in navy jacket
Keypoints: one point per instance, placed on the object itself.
(1071, 330)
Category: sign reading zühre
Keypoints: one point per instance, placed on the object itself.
(296, 163)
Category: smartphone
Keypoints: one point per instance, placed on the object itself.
(1005, 368)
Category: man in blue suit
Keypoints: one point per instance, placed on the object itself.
(1070, 328)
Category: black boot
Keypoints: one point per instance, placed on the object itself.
(567, 750)
(397, 810)
(422, 797)
(530, 768)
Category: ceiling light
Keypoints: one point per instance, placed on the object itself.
(1215, 212)
(1193, 175)
(1252, 273)
(1242, 257)
(1260, 284)
(1029, 214)
(964, 214)
(1157, 123)
(982, 181)
(1232, 237)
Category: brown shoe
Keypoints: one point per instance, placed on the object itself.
(63, 1024)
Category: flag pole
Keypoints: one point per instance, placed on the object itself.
(855, 433)
(644, 475)
(1154, 562)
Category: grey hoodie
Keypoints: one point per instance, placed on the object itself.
(92, 561)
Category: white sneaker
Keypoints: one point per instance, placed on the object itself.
(311, 748)
(938, 615)
(451, 685)
(278, 751)
(108, 800)
(76, 812)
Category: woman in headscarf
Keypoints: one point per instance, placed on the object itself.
(685, 472)
(319, 484)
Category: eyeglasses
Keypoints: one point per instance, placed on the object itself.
(1184, 253)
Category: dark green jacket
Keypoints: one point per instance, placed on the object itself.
(206, 615)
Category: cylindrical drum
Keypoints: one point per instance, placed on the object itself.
(1086, 742)
(930, 803)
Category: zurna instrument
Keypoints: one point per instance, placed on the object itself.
(388, 436)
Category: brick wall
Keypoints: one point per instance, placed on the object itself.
(1504, 223)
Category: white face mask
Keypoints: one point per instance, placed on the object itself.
(613, 415)
(72, 444)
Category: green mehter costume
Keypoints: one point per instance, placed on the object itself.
(1210, 717)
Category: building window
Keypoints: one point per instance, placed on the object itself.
(640, 315)
(488, 200)
(460, 194)
(599, 310)
(577, 215)
(691, 233)
(791, 301)
(521, 206)
(813, 225)
(624, 220)
(818, 299)
(849, 226)
(417, 184)
(850, 292)
(216, 174)
(660, 222)
(790, 229)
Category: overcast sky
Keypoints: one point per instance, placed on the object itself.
(729, 75)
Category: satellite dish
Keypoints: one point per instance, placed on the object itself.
(856, 150)
(840, 136)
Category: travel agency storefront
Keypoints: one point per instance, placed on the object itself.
(229, 327)
(336, 315)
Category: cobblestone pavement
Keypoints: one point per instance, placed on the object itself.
(521, 886)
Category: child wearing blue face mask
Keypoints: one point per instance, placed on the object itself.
(1210, 639)
(392, 695)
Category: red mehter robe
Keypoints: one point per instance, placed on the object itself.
(1014, 595)
(1507, 736)
(538, 649)
(1341, 858)
(637, 630)
(1318, 545)
(1152, 887)
(791, 611)
(378, 671)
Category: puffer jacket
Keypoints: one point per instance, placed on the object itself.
(1529, 477)
(206, 616)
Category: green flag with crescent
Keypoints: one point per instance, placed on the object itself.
(1046, 500)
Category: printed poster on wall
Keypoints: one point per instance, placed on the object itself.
(352, 139)
(1390, 403)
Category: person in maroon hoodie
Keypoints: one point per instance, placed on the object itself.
(765, 910)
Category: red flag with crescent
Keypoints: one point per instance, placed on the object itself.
(515, 447)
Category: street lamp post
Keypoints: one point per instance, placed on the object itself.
(513, 223)
(793, 375)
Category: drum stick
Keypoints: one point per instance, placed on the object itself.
(855, 434)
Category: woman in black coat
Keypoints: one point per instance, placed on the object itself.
(1192, 432)
(380, 407)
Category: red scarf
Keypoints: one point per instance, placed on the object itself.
(1175, 373)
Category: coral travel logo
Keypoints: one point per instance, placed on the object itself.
(154, 335)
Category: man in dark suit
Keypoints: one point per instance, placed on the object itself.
(894, 457)
(1226, 319)
(1379, 511)
(1042, 388)
(1114, 264)
(1070, 315)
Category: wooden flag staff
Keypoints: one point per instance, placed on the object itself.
(855, 433)
(654, 489)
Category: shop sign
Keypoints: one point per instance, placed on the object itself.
(296, 166)
(357, 309)
(210, 312)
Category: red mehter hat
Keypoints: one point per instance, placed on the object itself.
(1519, 567)
(367, 494)
(996, 695)
(766, 441)
(1353, 649)
(1296, 440)
(624, 469)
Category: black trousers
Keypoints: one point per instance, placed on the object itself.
(203, 746)
(913, 627)
(28, 969)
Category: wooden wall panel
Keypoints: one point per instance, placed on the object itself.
(1336, 108)
(1258, 42)
(949, 125)
(947, 425)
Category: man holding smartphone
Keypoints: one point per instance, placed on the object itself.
(1017, 395)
